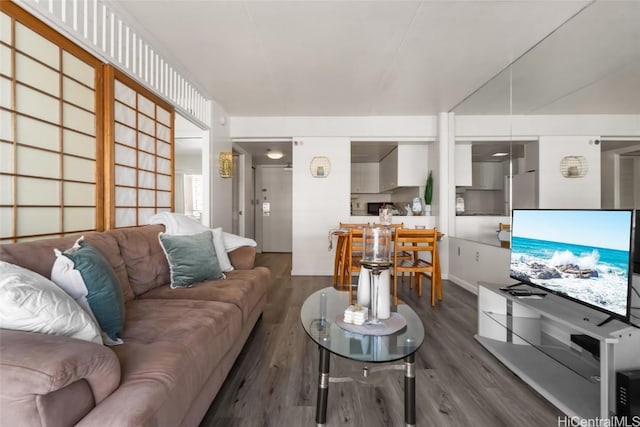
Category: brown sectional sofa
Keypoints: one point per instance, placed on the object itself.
(179, 344)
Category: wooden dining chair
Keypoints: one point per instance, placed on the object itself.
(355, 252)
(342, 248)
(504, 230)
(418, 243)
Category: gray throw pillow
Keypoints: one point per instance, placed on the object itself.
(192, 258)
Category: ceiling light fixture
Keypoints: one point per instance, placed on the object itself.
(500, 154)
(274, 154)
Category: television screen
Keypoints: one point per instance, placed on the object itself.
(583, 255)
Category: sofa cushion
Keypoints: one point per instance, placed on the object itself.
(87, 277)
(146, 264)
(39, 256)
(242, 288)
(29, 302)
(170, 349)
(192, 258)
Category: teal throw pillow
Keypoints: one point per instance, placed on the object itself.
(192, 258)
(104, 294)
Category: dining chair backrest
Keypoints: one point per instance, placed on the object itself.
(345, 225)
(415, 242)
(394, 226)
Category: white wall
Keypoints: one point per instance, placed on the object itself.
(355, 127)
(190, 164)
(534, 126)
(247, 196)
(556, 191)
(219, 188)
(318, 203)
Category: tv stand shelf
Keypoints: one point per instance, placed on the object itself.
(531, 336)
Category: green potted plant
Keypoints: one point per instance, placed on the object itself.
(428, 194)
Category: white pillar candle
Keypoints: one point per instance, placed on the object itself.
(384, 295)
(364, 287)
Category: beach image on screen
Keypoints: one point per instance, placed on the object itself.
(581, 254)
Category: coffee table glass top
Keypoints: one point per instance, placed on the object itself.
(366, 348)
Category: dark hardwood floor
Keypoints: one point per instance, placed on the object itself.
(458, 383)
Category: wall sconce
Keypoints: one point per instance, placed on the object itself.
(574, 166)
(225, 159)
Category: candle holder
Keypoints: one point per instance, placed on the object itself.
(385, 216)
(376, 258)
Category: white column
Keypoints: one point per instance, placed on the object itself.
(446, 185)
(219, 190)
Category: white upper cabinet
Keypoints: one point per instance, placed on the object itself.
(365, 177)
(405, 166)
(389, 171)
(463, 164)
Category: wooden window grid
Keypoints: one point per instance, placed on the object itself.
(47, 198)
(139, 128)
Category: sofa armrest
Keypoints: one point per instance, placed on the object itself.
(41, 374)
(243, 258)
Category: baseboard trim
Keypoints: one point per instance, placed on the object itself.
(464, 284)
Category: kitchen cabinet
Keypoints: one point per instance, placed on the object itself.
(389, 171)
(463, 164)
(365, 178)
(487, 176)
(405, 166)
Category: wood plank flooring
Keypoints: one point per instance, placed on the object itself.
(458, 383)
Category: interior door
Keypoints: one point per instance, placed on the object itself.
(275, 209)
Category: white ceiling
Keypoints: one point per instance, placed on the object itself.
(393, 57)
(351, 58)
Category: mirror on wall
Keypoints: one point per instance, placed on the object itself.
(569, 112)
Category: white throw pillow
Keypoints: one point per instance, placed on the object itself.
(30, 302)
(233, 241)
(221, 252)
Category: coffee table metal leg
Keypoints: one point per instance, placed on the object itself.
(409, 391)
(323, 387)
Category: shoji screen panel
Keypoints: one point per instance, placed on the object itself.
(140, 129)
(50, 131)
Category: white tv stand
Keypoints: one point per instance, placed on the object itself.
(531, 336)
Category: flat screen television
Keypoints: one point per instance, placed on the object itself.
(636, 244)
(583, 255)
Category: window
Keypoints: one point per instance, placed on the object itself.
(193, 196)
(140, 125)
(50, 132)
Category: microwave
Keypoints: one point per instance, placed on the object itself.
(373, 208)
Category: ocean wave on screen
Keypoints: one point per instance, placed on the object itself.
(584, 261)
(607, 292)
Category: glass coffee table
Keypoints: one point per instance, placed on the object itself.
(319, 315)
